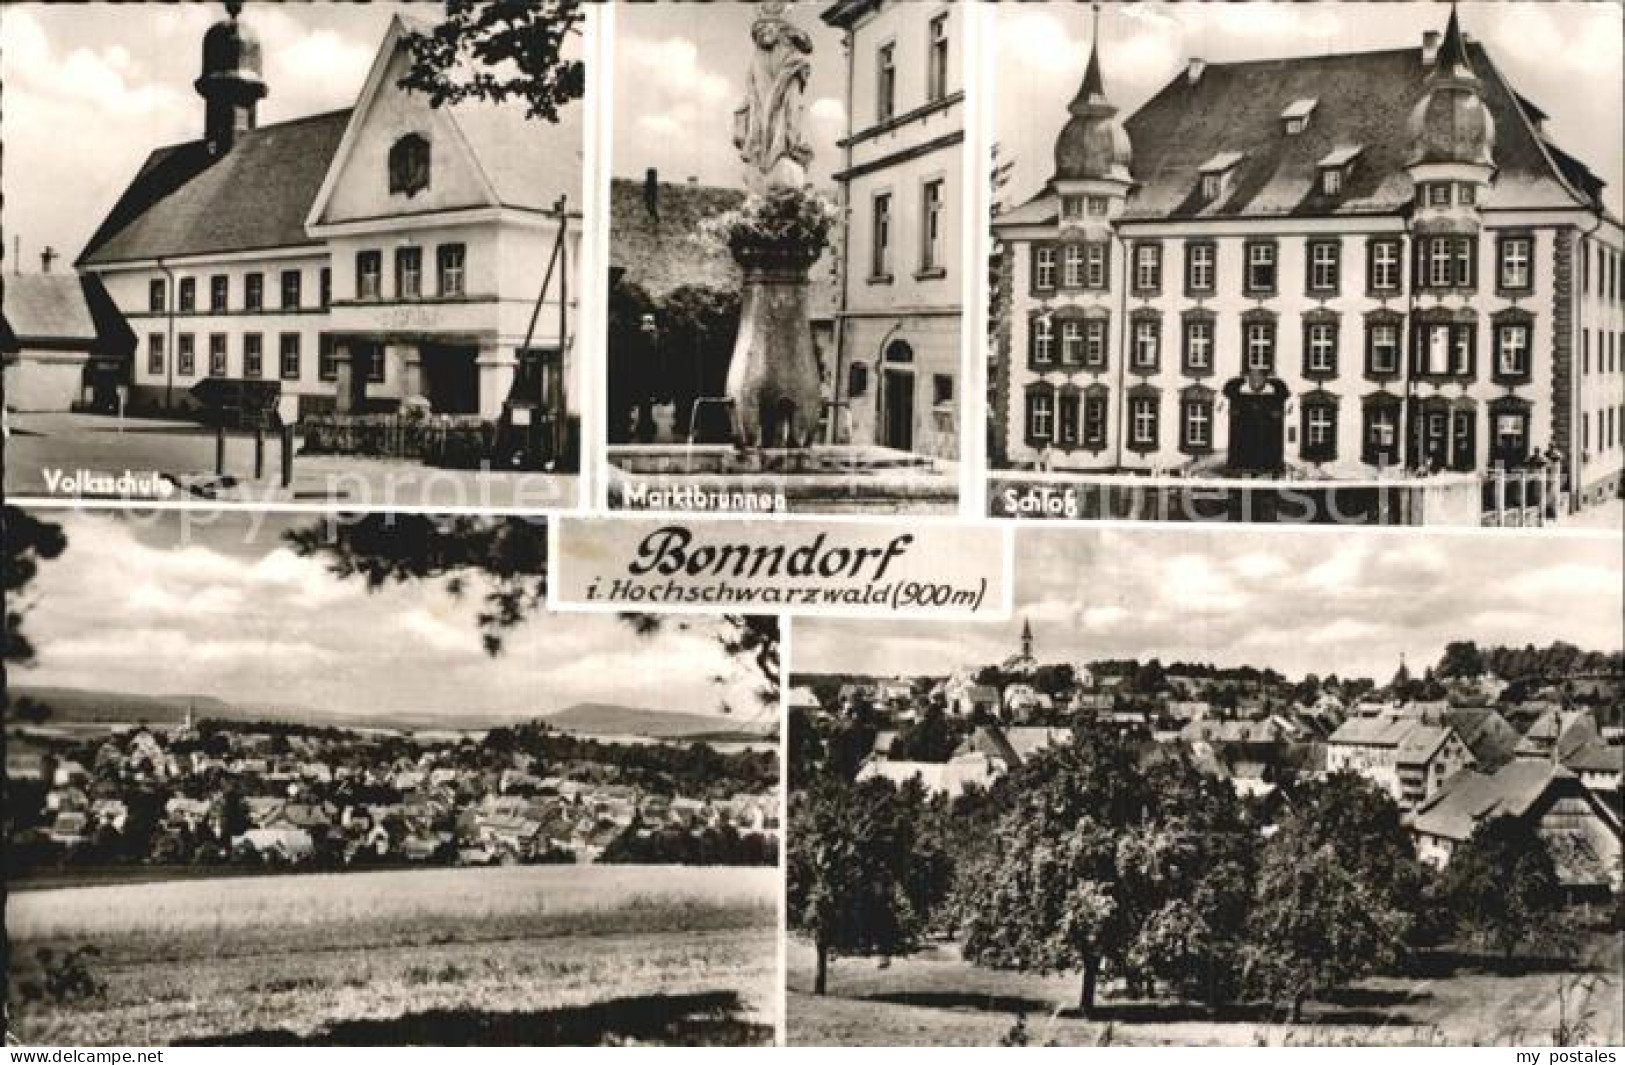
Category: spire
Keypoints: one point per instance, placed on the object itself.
(1091, 97)
(1026, 637)
(1453, 61)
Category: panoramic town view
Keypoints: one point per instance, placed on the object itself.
(1246, 790)
(312, 782)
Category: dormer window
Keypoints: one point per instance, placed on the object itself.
(1296, 116)
(409, 165)
(1216, 173)
(1335, 168)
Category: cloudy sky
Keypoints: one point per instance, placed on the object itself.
(1563, 56)
(217, 607)
(679, 74)
(1301, 601)
(91, 89)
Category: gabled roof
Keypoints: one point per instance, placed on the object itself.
(1361, 98)
(48, 307)
(184, 201)
(1420, 744)
(1469, 798)
(1486, 733)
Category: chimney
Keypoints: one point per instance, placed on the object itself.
(1193, 70)
(651, 193)
(46, 258)
(1430, 47)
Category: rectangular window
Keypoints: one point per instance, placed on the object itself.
(1072, 270)
(1097, 206)
(1094, 343)
(1512, 356)
(253, 355)
(942, 389)
(1384, 265)
(1094, 269)
(325, 283)
(1198, 423)
(1069, 417)
(1461, 440)
(1319, 432)
(369, 274)
(1261, 346)
(155, 294)
(1094, 420)
(408, 273)
(1072, 342)
(1260, 267)
(186, 355)
(289, 352)
(1198, 345)
(155, 354)
(1438, 195)
(450, 268)
(1331, 181)
(219, 292)
(1043, 341)
(327, 365)
(931, 227)
(374, 356)
(1382, 436)
(1323, 266)
(1510, 431)
(1071, 208)
(1147, 342)
(1199, 275)
(1211, 184)
(885, 81)
(1040, 412)
(1320, 349)
(1462, 253)
(936, 63)
(1440, 263)
(1515, 263)
(217, 355)
(1385, 348)
(880, 238)
(1466, 194)
(1147, 268)
(1044, 268)
(1143, 421)
(291, 282)
(254, 291)
(188, 295)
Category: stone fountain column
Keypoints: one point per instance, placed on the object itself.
(773, 377)
(775, 238)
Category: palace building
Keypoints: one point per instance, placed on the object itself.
(1316, 267)
(359, 258)
(898, 325)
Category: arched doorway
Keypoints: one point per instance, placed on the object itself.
(1257, 424)
(896, 397)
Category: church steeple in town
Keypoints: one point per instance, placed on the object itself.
(1026, 638)
(231, 83)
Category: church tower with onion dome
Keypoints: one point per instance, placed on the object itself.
(231, 83)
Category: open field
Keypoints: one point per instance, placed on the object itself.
(936, 999)
(503, 955)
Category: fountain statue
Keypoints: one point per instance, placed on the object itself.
(776, 237)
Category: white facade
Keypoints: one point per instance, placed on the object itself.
(899, 327)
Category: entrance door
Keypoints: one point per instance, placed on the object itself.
(1257, 431)
(899, 411)
(451, 379)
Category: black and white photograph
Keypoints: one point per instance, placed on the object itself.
(1333, 262)
(262, 253)
(1219, 788)
(786, 266)
(284, 780)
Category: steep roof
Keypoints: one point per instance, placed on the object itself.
(1363, 98)
(46, 307)
(184, 201)
(1471, 797)
(1382, 731)
(1486, 733)
(1420, 744)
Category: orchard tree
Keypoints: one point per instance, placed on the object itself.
(1315, 925)
(1365, 830)
(851, 881)
(1503, 883)
(932, 738)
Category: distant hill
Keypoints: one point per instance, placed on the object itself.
(86, 706)
(602, 719)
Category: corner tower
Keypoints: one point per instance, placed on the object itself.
(1452, 160)
(1093, 153)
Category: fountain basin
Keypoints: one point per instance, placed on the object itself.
(832, 478)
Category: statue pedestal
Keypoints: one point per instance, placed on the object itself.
(773, 378)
